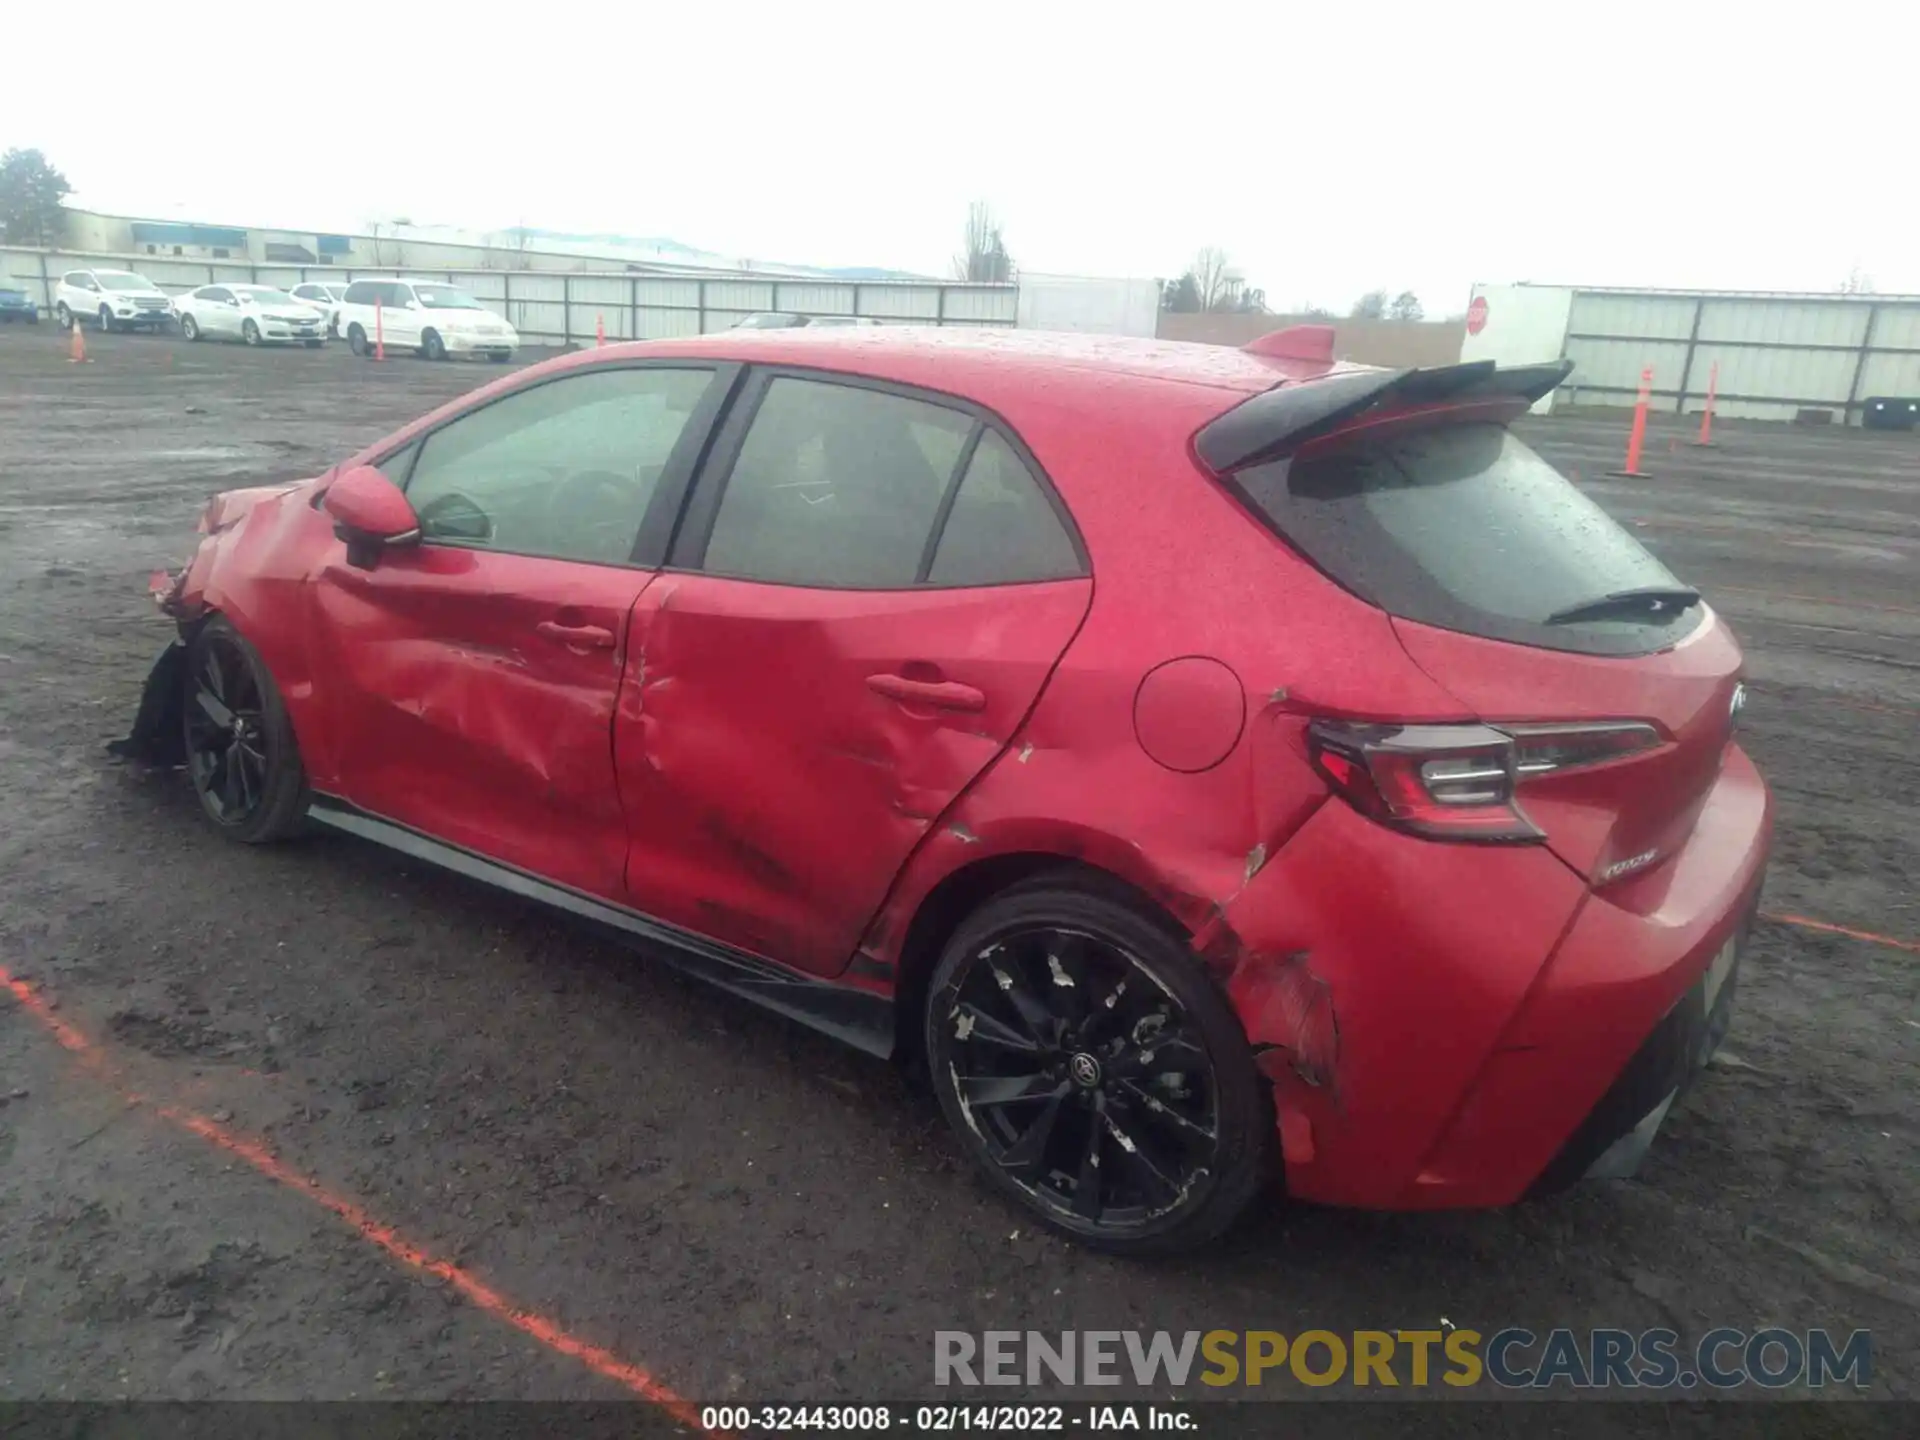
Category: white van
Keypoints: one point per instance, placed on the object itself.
(427, 316)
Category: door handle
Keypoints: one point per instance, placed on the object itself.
(941, 694)
(588, 637)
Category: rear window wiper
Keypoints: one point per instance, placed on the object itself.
(1655, 602)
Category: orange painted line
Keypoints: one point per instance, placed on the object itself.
(554, 1336)
(34, 1005)
(1805, 924)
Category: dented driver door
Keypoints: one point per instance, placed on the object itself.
(861, 616)
(473, 677)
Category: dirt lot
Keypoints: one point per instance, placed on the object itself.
(739, 1208)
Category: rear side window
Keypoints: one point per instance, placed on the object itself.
(1464, 527)
(836, 486)
(1002, 529)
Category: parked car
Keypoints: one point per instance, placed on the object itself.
(256, 314)
(17, 302)
(792, 320)
(1379, 813)
(324, 297)
(425, 316)
(116, 299)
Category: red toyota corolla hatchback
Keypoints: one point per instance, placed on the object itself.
(1206, 763)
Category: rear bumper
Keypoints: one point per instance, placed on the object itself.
(1497, 1029)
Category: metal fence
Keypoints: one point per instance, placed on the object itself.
(552, 307)
(1769, 357)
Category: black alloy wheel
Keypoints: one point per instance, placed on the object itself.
(241, 754)
(1096, 1073)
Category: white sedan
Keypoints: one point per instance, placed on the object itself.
(257, 314)
(324, 296)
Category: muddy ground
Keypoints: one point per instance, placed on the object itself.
(743, 1209)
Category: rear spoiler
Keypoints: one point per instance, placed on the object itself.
(1276, 422)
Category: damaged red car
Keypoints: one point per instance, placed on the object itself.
(1211, 766)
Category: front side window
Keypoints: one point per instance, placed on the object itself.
(124, 280)
(362, 292)
(563, 469)
(212, 292)
(835, 485)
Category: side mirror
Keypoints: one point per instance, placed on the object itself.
(371, 514)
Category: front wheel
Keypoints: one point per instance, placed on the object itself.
(189, 327)
(357, 341)
(1095, 1073)
(314, 344)
(241, 754)
(63, 315)
(432, 346)
(250, 332)
(106, 320)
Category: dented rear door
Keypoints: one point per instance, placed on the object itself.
(872, 591)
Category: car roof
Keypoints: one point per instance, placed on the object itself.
(967, 357)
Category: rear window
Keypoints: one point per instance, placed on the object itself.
(1463, 526)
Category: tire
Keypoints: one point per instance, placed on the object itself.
(190, 327)
(314, 344)
(333, 327)
(1169, 1154)
(432, 346)
(106, 321)
(249, 332)
(241, 755)
(357, 341)
(499, 359)
(63, 315)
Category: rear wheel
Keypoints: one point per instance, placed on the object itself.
(63, 315)
(241, 753)
(314, 344)
(1095, 1073)
(432, 346)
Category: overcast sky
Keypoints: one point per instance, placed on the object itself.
(1328, 149)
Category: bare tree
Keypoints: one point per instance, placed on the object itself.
(1215, 279)
(985, 257)
(1406, 306)
(1858, 282)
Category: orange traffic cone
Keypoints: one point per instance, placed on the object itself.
(77, 343)
(600, 330)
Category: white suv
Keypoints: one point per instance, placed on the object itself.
(117, 299)
(423, 315)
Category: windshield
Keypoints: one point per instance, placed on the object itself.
(1462, 526)
(264, 295)
(123, 280)
(445, 297)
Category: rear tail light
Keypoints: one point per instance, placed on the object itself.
(1458, 782)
